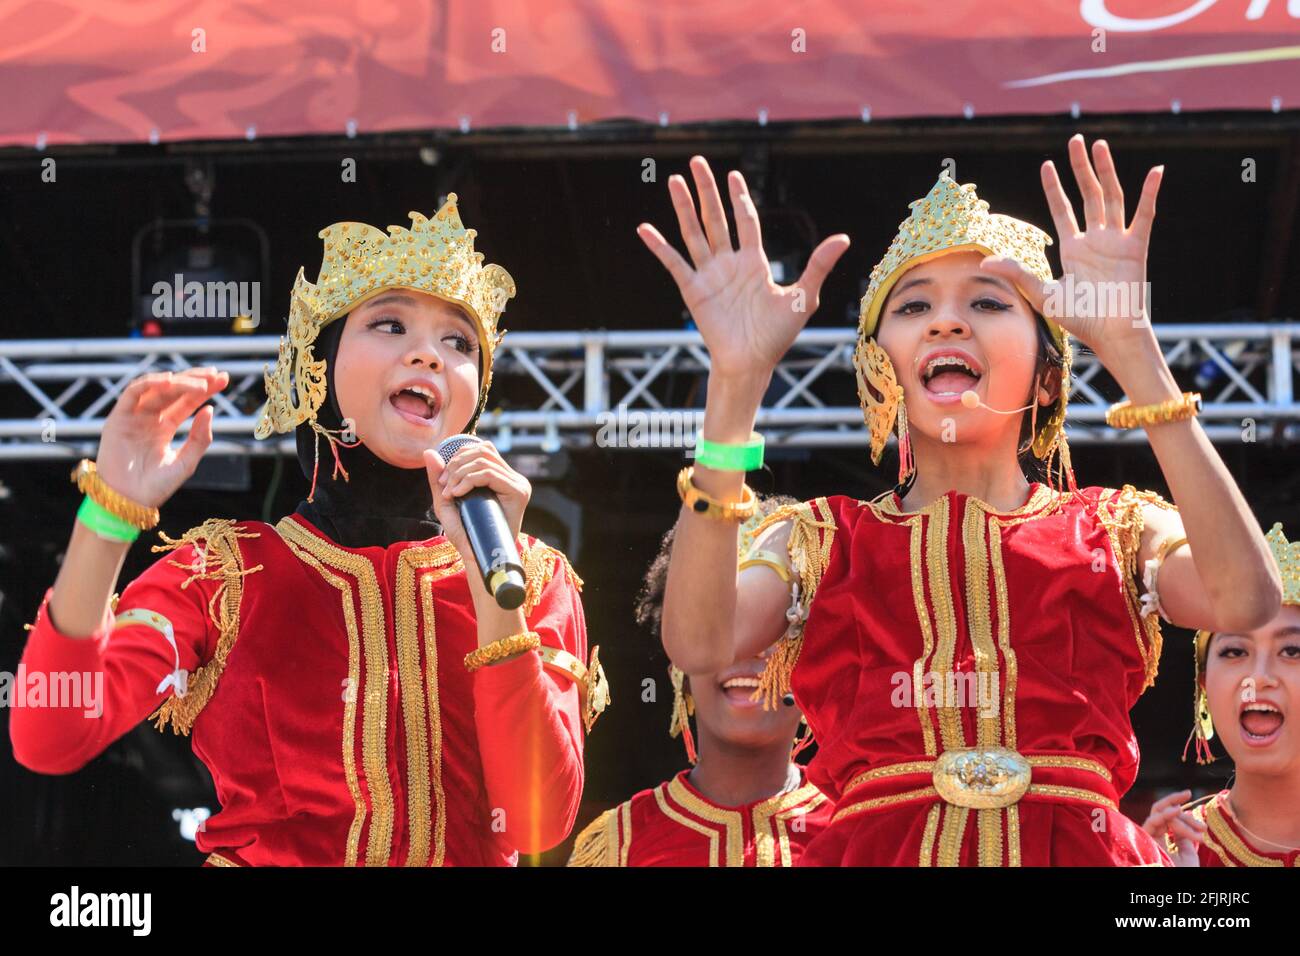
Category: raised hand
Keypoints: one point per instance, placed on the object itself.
(1108, 256)
(747, 321)
(135, 455)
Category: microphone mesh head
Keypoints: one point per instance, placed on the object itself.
(449, 446)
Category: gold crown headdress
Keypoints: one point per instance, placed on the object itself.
(435, 256)
(950, 218)
(1287, 555)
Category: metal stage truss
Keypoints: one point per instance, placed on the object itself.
(586, 381)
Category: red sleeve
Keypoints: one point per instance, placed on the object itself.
(530, 726)
(93, 690)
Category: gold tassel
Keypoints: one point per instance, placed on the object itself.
(1122, 515)
(810, 552)
(539, 568)
(597, 844)
(222, 562)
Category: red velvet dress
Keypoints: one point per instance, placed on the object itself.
(674, 824)
(969, 674)
(329, 699)
(1227, 844)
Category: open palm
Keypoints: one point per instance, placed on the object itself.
(748, 322)
(1107, 258)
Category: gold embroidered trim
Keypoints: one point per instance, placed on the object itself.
(1072, 793)
(1235, 846)
(597, 844)
(690, 824)
(1120, 512)
(374, 720)
(924, 793)
(936, 563)
(216, 859)
(979, 623)
(916, 557)
(625, 822)
(423, 724)
(349, 699)
(730, 819)
(769, 815)
(540, 563)
(809, 548)
(927, 838)
(435, 708)
(951, 833)
(217, 559)
(1009, 660)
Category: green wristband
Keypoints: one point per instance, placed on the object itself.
(746, 456)
(104, 523)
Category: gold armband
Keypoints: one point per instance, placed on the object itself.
(700, 503)
(1126, 415)
(501, 649)
(593, 688)
(768, 559)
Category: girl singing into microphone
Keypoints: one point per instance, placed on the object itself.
(970, 643)
(356, 693)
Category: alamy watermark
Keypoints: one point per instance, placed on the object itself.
(208, 300)
(58, 689)
(648, 429)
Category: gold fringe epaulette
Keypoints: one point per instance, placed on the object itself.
(222, 562)
(597, 844)
(1120, 512)
(810, 553)
(539, 567)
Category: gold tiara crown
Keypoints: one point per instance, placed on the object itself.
(435, 256)
(952, 218)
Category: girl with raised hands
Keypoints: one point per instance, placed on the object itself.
(966, 647)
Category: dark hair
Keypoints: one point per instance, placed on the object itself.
(649, 607)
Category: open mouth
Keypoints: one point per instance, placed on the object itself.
(739, 690)
(949, 375)
(1261, 723)
(416, 403)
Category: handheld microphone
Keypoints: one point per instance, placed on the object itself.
(971, 400)
(489, 534)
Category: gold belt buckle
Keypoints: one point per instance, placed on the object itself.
(981, 777)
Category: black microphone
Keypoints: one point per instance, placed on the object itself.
(489, 534)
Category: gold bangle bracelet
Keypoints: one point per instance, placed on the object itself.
(91, 484)
(700, 503)
(1126, 415)
(502, 648)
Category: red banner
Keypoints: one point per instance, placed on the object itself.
(81, 71)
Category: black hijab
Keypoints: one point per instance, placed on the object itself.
(379, 504)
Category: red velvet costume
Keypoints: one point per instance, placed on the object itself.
(330, 701)
(1039, 608)
(674, 824)
(1227, 844)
